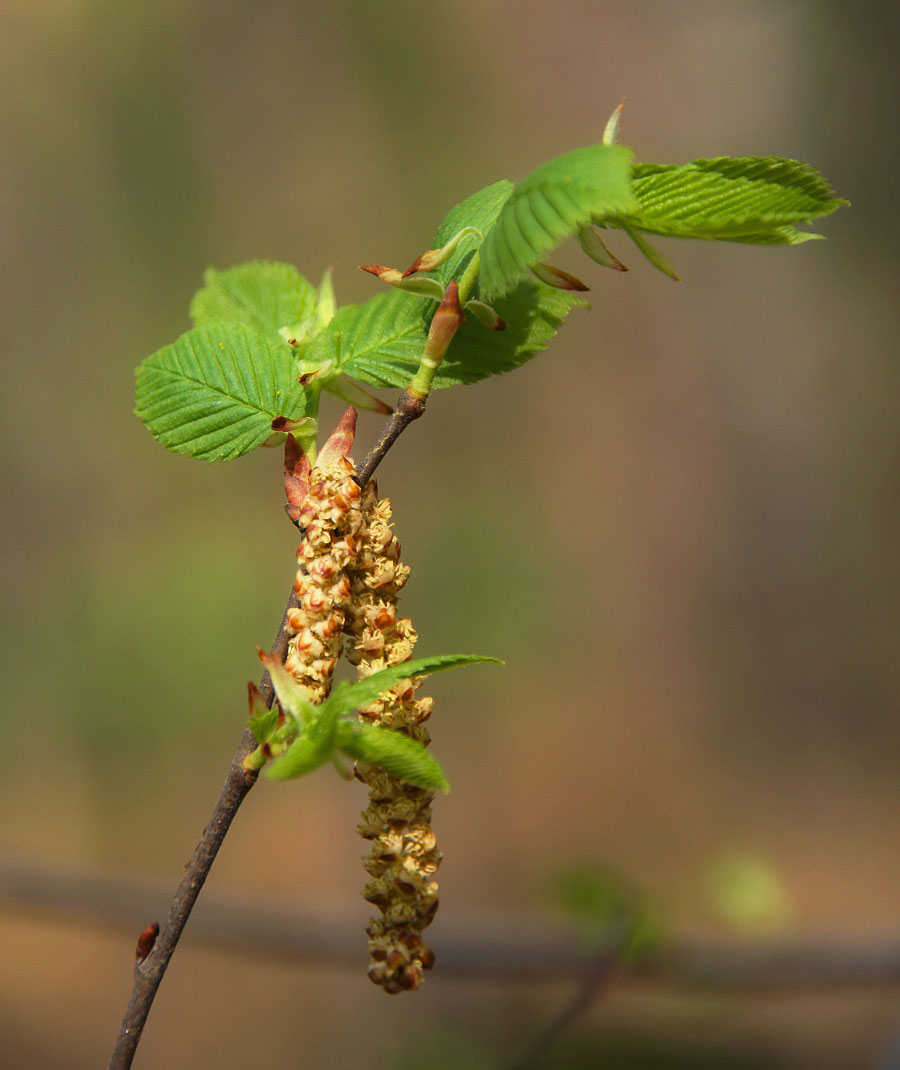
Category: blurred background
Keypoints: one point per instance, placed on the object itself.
(678, 526)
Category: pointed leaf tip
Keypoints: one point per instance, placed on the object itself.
(296, 477)
(611, 131)
(559, 279)
(340, 441)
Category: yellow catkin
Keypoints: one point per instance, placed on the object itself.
(332, 519)
(404, 856)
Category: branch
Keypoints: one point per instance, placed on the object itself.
(606, 968)
(152, 963)
(149, 970)
(407, 409)
(500, 948)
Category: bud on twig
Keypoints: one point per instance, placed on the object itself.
(596, 249)
(556, 277)
(296, 477)
(146, 941)
(446, 322)
(420, 287)
(433, 258)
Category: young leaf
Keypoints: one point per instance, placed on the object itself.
(480, 211)
(314, 746)
(755, 199)
(307, 753)
(397, 754)
(261, 294)
(214, 392)
(347, 697)
(553, 202)
(380, 342)
(263, 724)
(291, 696)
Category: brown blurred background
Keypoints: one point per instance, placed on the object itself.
(678, 526)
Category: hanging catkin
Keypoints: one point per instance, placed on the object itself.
(404, 857)
(324, 502)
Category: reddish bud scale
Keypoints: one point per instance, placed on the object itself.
(146, 941)
(330, 516)
(404, 857)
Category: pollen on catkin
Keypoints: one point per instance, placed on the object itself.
(404, 856)
(331, 518)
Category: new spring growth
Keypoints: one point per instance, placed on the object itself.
(444, 325)
(404, 856)
(323, 501)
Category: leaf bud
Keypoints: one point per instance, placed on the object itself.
(556, 277)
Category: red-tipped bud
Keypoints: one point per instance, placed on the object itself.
(596, 249)
(446, 322)
(556, 277)
(146, 941)
(420, 287)
(433, 258)
(340, 441)
(256, 704)
(386, 274)
(611, 132)
(296, 477)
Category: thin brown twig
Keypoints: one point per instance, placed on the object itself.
(501, 948)
(407, 409)
(605, 968)
(149, 970)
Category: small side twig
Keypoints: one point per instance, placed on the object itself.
(605, 969)
(149, 969)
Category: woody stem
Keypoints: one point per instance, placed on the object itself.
(148, 972)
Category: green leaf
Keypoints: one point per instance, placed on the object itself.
(214, 392)
(480, 210)
(379, 342)
(291, 696)
(347, 697)
(263, 724)
(307, 753)
(553, 202)
(754, 199)
(397, 754)
(533, 313)
(261, 294)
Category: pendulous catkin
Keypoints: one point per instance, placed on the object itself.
(404, 856)
(332, 518)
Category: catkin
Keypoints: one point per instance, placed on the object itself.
(404, 856)
(332, 518)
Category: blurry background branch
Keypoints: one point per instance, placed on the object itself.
(485, 946)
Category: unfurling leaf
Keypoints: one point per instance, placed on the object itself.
(306, 754)
(553, 202)
(347, 697)
(291, 696)
(397, 754)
